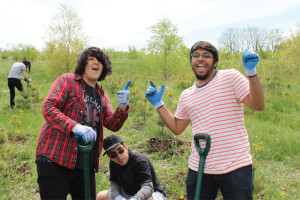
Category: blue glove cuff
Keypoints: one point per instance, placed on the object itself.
(159, 104)
(120, 197)
(251, 72)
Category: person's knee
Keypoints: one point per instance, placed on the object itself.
(103, 195)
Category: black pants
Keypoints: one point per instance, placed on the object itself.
(12, 83)
(56, 182)
(235, 185)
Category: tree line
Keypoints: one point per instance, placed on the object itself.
(235, 40)
(64, 39)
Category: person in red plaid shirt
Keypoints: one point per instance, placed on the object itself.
(76, 105)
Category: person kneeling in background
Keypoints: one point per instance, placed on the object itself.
(132, 175)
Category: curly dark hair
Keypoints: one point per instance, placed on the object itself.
(101, 57)
(206, 46)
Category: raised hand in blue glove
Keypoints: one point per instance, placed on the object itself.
(124, 95)
(87, 133)
(154, 96)
(250, 60)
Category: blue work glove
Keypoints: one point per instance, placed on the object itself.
(124, 95)
(250, 60)
(120, 197)
(154, 96)
(133, 198)
(29, 81)
(87, 133)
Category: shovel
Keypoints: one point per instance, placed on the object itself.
(202, 154)
(85, 149)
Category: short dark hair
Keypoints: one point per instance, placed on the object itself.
(101, 57)
(206, 46)
(27, 63)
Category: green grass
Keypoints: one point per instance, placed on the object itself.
(273, 132)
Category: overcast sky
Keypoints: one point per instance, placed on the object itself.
(120, 23)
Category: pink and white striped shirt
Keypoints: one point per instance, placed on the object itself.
(216, 109)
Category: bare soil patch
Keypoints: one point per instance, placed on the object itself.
(168, 145)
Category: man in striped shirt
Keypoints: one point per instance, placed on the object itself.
(76, 105)
(214, 105)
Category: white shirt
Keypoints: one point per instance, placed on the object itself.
(216, 109)
(16, 70)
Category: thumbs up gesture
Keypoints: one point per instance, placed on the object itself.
(155, 96)
(123, 95)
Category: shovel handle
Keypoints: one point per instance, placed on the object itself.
(202, 154)
(84, 148)
(202, 136)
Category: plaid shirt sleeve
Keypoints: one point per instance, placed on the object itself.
(57, 108)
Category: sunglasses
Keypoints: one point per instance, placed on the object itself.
(114, 154)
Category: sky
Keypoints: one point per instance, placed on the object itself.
(118, 24)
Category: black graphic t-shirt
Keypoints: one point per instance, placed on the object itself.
(91, 118)
(137, 171)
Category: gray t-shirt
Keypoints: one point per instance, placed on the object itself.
(16, 70)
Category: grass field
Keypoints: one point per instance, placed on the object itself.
(273, 132)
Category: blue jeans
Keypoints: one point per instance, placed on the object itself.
(237, 184)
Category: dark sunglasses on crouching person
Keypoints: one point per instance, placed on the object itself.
(113, 155)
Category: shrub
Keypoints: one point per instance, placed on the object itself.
(3, 136)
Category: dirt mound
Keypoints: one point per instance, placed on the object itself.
(166, 145)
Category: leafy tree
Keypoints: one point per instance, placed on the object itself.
(133, 53)
(165, 45)
(20, 52)
(290, 48)
(64, 39)
(4, 54)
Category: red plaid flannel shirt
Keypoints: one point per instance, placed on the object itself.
(62, 110)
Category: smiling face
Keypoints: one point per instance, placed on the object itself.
(203, 66)
(119, 155)
(92, 72)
